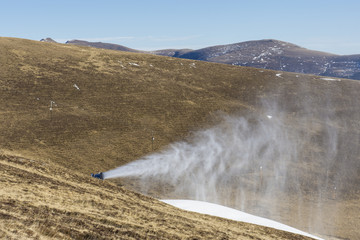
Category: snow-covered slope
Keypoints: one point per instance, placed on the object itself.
(279, 55)
(233, 214)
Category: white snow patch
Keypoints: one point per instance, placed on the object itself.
(134, 64)
(192, 65)
(331, 79)
(269, 116)
(76, 86)
(121, 64)
(278, 75)
(233, 214)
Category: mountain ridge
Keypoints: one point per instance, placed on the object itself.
(109, 46)
(267, 54)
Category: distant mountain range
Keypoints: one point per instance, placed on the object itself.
(102, 45)
(267, 54)
(48, 40)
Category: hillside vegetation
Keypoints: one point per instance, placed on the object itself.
(123, 99)
(108, 106)
(40, 200)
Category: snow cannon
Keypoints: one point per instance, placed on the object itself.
(99, 175)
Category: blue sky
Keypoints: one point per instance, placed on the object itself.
(324, 25)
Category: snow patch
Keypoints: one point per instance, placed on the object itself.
(279, 75)
(233, 214)
(121, 64)
(76, 86)
(134, 64)
(331, 79)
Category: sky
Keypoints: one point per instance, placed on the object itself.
(324, 25)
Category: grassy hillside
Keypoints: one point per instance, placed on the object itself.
(40, 200)
(123, 99)
(109, 105)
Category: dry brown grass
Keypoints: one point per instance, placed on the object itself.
(123, 99)
(109, 121)
(39, 200)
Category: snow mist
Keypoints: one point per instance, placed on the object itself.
(284, 161)
(203, 167)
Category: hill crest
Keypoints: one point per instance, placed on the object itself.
(109, 46)
(267, 54)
